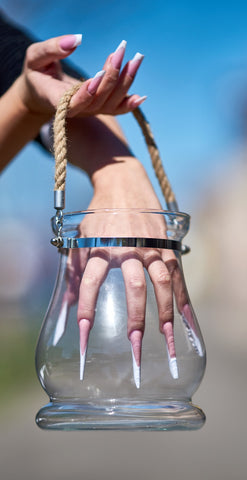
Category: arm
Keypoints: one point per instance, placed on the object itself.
(17, 125)
(32, 99)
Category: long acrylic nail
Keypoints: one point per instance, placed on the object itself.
(70, 41)
(95, 82)
(134, 64)
(188, 320)
(171, 352)
(117, 57)
(61, 322)
(84, 328)
(139, 101)
(136, 347)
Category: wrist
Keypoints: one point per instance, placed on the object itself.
(123, 184)
(26, 103)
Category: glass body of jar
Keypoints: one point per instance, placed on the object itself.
(120, 271)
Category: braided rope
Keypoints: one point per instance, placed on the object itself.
(60, 141)
(60, 147)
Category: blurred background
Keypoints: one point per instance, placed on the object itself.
(195, 77)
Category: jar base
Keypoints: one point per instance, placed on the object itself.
(162, 416)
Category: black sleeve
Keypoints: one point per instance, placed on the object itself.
(14, 41)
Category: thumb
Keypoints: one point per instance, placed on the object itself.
(43, 53)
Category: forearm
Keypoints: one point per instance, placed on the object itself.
(17, 125)
(98, 146)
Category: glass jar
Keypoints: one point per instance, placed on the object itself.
(120, 346)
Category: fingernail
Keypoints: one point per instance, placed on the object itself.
(84, 328)
(136, 346)
(188, 320)
(70, 41)
(95, 82)
(61, 323)
(134, 64)
(170, 345)
(139, 101)
(172, 361)
(118, 55)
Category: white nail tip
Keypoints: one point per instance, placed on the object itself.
(140, 100)
(78, 39)
(138, 56)
(136, 370)
(82, 364)
(193, 337)
(122, 45)
(61, 324)
(173, 367)
(101, 73)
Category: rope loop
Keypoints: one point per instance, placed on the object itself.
(60, 147)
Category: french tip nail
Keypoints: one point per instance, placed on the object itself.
(195, 342)
(82, 363)
(122, 44)
(140, 100)
(61, 324)
(101, 73)
(173, 367)
(137, 57)
(136, 370)
(84, 329)
(78, 39)
(95, 82)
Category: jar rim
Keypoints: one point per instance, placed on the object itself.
(128, 209)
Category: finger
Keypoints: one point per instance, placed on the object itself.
(178, 283)
(111, 77)
(183, 302)
(162, 283)
(73, 276)
(128, 104)
(125, 80)
(41, 54)
(135, 287)
(93, 276)
(136, 292)
(81, 101)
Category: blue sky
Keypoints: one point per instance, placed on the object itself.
(194, 73)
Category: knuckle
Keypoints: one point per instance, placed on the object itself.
(85, 311)
(172, 266)
(166, 314)
(29, 54)
(90, 281)
(137, 284)
(136, 322)
(164, 279)
(111, 76)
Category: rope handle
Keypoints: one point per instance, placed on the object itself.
(60, 152)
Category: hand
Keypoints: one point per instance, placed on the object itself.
(43, 81)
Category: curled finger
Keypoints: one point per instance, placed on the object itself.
(183, 302)
(162, 283)
(136, 293)
(73, 277)
(93, 276)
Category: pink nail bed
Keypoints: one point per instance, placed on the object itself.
(134, 64)
(95, 82)
(117, 57)
(70, 41)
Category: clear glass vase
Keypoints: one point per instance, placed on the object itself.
(120, 346)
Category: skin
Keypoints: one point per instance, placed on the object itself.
(31, 102)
